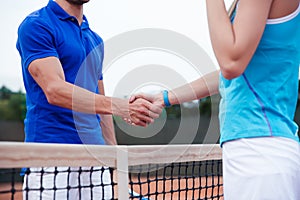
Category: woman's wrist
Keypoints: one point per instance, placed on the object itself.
(166, 101)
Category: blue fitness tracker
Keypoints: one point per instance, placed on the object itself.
(166, 98)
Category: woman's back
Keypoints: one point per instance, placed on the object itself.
(281, 8)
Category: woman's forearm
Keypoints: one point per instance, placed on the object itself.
(200, 88)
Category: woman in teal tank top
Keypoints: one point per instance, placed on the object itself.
(258, 52)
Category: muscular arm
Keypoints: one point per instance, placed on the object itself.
(49, 75)
(107, 125)
(234, 44)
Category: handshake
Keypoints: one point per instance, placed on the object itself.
(144, 108)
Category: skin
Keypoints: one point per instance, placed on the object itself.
(49, 75)
(233, 43)
(77, 2)
(107, 125)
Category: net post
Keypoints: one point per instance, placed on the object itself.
(122, 172)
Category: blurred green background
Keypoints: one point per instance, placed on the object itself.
(193, 122)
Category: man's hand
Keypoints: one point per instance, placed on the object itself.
(154, 99)
(149, 107)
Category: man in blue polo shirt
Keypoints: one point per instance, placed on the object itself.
(62, 71)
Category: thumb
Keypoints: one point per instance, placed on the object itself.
(136, 96)
(132, 98)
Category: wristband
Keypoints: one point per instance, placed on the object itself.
(166, 98)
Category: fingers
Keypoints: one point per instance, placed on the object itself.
(147, 97)
(147, 108)
(142, 120)
(142, 112)
(139, 123)
(144, 108)
(155, 109)
(150, 103)
(132, 98)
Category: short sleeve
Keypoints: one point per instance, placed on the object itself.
(35, 41)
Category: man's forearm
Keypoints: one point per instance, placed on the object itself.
(70, 96)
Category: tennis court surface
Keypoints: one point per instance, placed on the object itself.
(134, 172)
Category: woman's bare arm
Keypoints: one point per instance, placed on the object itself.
(235, 43)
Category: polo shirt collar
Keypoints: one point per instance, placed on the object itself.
(85, 23)
(63, 15)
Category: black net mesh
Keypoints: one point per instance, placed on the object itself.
(187, 180)
(57, 183)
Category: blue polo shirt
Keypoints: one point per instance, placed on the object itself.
(262, 101)
(49, 32)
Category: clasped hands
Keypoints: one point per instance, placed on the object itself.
(144, 109)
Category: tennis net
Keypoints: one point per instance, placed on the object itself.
(60, 171)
